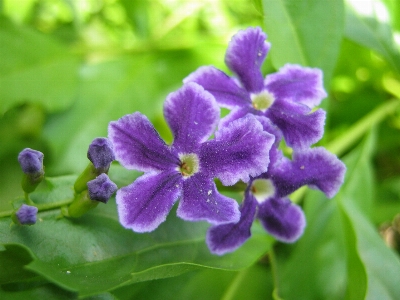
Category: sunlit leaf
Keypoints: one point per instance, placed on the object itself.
(304, 32)
(372, 33)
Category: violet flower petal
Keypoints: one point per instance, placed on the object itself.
(145, 204)
(315, 167)
(192, 115)
(225, 90)
(282, 219)
(137, 144)
(237, 113)
(226, 238)
(239, 150)
(201, 201)
(245, 55)
(300, 128)
(302, 85)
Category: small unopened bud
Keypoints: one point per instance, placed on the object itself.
(25, 215)
(101, 188)
(31, 162)
(101, 154)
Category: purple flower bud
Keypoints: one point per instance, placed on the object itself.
(101, 154)
(101, 188)
(31, 161)
(26, 214)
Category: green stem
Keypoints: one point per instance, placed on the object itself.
(235, 285)
(41, 207)
(355, 132)
(28, 199)
(341, 144)
(274, 270)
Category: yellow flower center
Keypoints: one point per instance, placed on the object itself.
(262, 189)
(262, 101)
(189, 164)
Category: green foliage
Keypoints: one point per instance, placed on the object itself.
(296, 39)
(67, 69)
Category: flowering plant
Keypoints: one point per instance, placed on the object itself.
(154, 168)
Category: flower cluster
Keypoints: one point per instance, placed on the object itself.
(91, 187)
(245, 147)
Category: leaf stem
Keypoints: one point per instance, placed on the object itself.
(274, 271)
(235, 285)
(341, 144)
(355, 132)
(41, 207)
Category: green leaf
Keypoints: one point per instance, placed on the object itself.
(13, 258)
(36, 291)
(374, 34)
(253, 283)
(324, 264)
(304, 32)
(315, 267)
(78, 254)
(380, 264)
(35, 69)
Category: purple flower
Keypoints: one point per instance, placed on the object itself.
(285, 97)
(101, 154)
(101, 188)
(265, 198)
(26, 214)
(31, 162)
(186, 169)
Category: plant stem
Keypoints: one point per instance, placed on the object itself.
(41, 207)
(339, 145)
(235, 285)
(274, 270)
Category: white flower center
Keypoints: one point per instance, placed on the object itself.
(189, 164)
(262, 101)
(262, 189)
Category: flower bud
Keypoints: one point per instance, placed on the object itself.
(25, 215)
(101, 188)
(31, 162)
(101, 154)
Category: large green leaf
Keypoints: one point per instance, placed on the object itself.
(95, 253)
(304, 32)
(34, 68)
(253, 283)
(341, 254)
(380, 266)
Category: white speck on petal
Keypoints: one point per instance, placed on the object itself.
(302, 167)
(209, 192)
